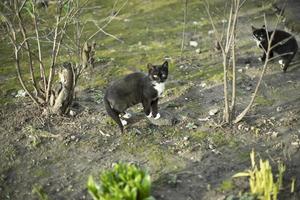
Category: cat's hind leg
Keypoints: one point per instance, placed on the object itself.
(114, 114)
(262, 58)
(285, 61)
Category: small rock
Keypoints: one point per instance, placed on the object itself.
(21, 93)
(73, 137)
(204, 119)
(241, 70)
(193, 43)
(275, 134)
(224, 21)
(240, 126)
(296, 143)
(72, 113)
(247, 66)
(213, 111)
(198, 50)
(195, 22)
(203, 84)
(279, 109)
(210, 32)
(248, 88)
(185, 138)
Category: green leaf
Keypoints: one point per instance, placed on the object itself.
(93, 188)
(123, 182)
(241, 174)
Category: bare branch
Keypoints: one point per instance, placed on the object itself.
(108, 22)
(22, 6)
(184, 25)
(17, 62)
(42, 67)
(24, 34)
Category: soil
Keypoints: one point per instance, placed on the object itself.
(189, 155)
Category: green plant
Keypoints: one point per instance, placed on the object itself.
(38, 190)
(261, 179)
(123, 182)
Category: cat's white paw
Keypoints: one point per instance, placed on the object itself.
(280, 62)
(157, 116)
(124, 122)
(150, 115)
(127, 116)
(260, 59)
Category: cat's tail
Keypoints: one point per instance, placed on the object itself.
(113, 113)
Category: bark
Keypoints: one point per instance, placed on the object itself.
(64, 96)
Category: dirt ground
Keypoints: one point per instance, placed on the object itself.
(192, 159)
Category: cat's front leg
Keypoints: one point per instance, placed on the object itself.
(154, 106)
(147, 107)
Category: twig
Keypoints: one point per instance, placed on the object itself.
(24, 34)
(184, 26)
(108, 34)
(42, 67)
(111, 18)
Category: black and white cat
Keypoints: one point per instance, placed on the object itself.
(136, 88)
(283, 43)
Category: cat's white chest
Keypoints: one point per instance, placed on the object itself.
(257, 42)
(159, 87)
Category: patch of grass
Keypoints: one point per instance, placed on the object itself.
(219, 139)
(263, 101)
(39, 191)
(198, 136)
(226, 185)
(10, 153)
(40, 172)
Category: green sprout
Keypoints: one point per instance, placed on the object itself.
(261, 179)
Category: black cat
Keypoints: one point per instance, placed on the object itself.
(136, 88)
(283, 44)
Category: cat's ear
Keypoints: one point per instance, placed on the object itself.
(165, 64)
(253, 28)
(150, 67)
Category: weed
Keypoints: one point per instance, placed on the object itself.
(261, 179)
(226, 185)
(38, 190)
(123, 182)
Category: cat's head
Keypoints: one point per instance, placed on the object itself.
(259, 34)
(158, 73)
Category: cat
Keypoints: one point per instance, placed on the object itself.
(136, 88)
(283, 44)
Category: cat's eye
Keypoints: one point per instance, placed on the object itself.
(163, 75)
(155, 76)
